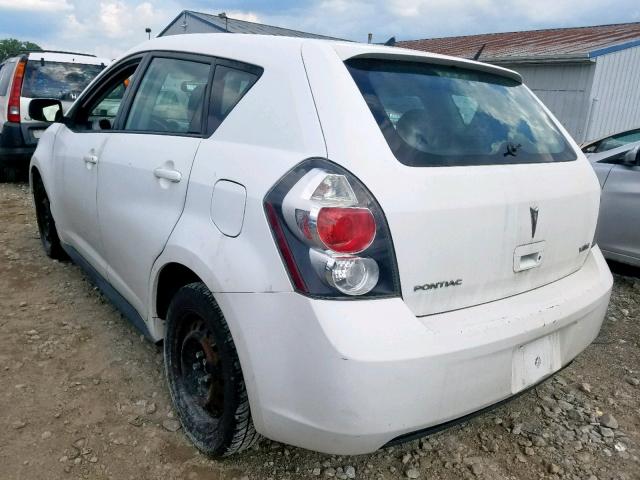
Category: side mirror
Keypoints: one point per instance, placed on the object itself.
(632, 157)
(45, 109)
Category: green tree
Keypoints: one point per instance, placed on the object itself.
(10, 47)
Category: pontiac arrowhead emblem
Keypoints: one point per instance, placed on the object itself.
(534, 220)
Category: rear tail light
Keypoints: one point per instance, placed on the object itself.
(331, 233)
(13, 107)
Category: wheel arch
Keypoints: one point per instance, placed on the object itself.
(34, 175)
(173, 269)
(171, 277)
(183, 264)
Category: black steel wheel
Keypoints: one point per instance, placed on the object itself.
(46, 223)
(204, 376)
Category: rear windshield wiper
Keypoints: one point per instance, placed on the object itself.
(512, 149)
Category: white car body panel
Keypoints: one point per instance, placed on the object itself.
(451, 223)
(76, 179)
(130, 195)
(367, 372)
(342, 376)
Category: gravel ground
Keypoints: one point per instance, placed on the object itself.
(83, 396)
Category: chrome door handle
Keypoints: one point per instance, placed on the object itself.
(92, 159)
(168, 174)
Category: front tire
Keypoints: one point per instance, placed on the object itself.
(204, 376)
(46, 223)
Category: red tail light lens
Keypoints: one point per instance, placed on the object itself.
(13, 110)
(346, 230)
(331, 233)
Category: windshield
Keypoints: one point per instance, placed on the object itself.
(433, 115)
(59, 80)
(618, 140)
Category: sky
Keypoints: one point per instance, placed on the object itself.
(108, 28)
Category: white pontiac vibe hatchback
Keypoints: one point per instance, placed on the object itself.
(341, 245)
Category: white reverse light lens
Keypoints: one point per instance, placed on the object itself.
(354, 275)
(347, 274)
(335, 190)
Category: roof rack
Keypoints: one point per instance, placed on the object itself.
(58, 51)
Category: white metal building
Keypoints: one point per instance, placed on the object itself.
(189, 21)
(589, 77)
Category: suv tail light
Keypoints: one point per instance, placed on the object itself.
(331, 233)
(13, 107)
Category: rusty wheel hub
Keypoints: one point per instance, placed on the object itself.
(201, 369)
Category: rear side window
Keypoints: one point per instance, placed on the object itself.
(433, 115)
(5, 77)
(229, 86)
(59, 80)
(170, 97)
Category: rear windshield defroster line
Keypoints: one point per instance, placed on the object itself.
(434, 115)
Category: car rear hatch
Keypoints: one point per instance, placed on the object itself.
(469, 237)
(484, 195)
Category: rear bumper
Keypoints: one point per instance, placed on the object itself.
(18, 142)
(348, 377)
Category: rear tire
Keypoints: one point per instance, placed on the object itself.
(46, 223)
(204, 376)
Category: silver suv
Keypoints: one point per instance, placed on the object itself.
(42, 74)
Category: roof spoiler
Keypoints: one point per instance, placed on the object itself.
(408, 55)
(57, 51)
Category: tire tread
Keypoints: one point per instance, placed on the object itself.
(244, 434)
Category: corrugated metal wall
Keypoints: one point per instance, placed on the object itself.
(615, 93)
(564, 89)
(194, 25)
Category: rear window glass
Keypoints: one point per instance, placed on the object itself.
(229, 86)
(434, 115)
(59, 80)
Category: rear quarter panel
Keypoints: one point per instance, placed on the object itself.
(274, 127)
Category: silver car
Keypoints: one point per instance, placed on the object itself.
(618, 233)
(612, 141)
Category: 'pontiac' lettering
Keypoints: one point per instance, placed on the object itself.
(433, 286)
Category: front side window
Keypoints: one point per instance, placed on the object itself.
(101, 106)
(434, 115)
(109, 106)
(59, 80)
(170, 97)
